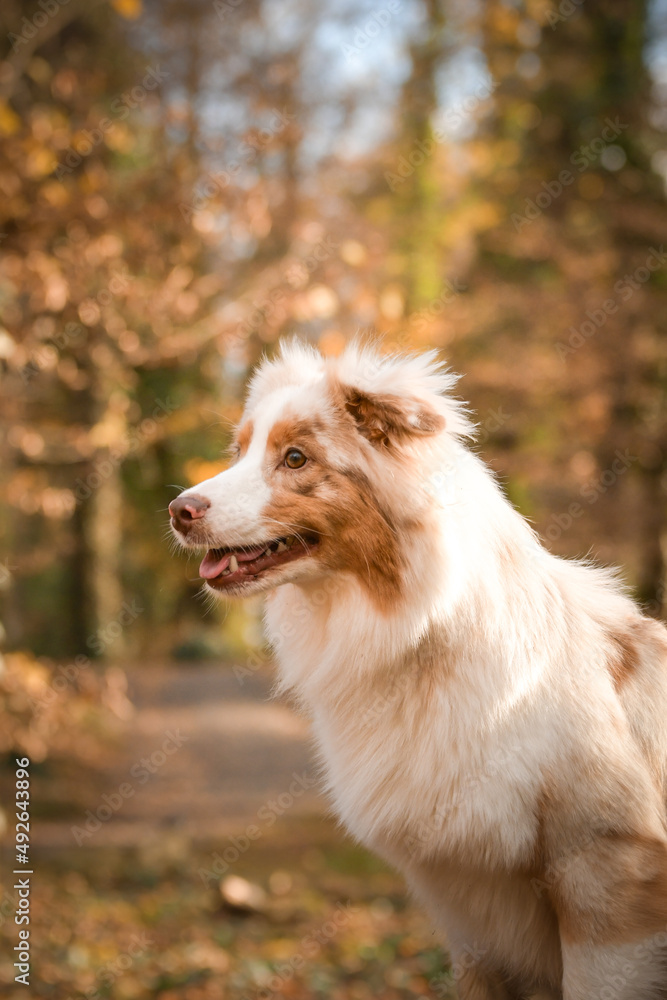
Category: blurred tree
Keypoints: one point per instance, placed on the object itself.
(104, 301)
(573, 144)
(183, 183)
(529, 221)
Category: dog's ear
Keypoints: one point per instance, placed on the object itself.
(384, 418)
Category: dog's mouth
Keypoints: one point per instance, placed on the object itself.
(224, 568)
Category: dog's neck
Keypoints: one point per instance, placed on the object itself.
(469, 568)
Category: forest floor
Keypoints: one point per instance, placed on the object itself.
(199, 863)
(202, 753)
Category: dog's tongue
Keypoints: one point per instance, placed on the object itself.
(213, 564)
(216, 562)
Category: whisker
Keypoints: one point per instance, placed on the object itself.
(221, 418)
(208, 607)
(210, 601)
(293, 525)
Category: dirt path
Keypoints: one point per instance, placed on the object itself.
(203, 755)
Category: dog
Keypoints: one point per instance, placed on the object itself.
(492, 719)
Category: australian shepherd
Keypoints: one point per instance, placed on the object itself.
(492, 719)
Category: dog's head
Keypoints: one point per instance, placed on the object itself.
(325, 473)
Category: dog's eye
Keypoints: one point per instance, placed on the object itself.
(294, 459)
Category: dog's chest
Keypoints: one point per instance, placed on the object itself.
(412, 755)
(428, 787)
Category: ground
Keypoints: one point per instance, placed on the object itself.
(198, 861)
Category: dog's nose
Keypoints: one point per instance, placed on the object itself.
(186, 509)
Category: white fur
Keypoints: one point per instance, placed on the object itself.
(240, 493)
(439, 724)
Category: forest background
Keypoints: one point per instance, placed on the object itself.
(184, 182)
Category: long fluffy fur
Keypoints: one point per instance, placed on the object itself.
(491, 718)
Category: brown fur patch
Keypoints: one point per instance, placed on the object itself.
(638, 638)
(615, 892)
(475, 984)
(296, 432)
(244, 435)
(606, 883)
(624, 664)
(383, 418)
(355, 533)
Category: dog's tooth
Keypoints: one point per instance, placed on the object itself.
(281, 547)
(225, 572)
(233, 564)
